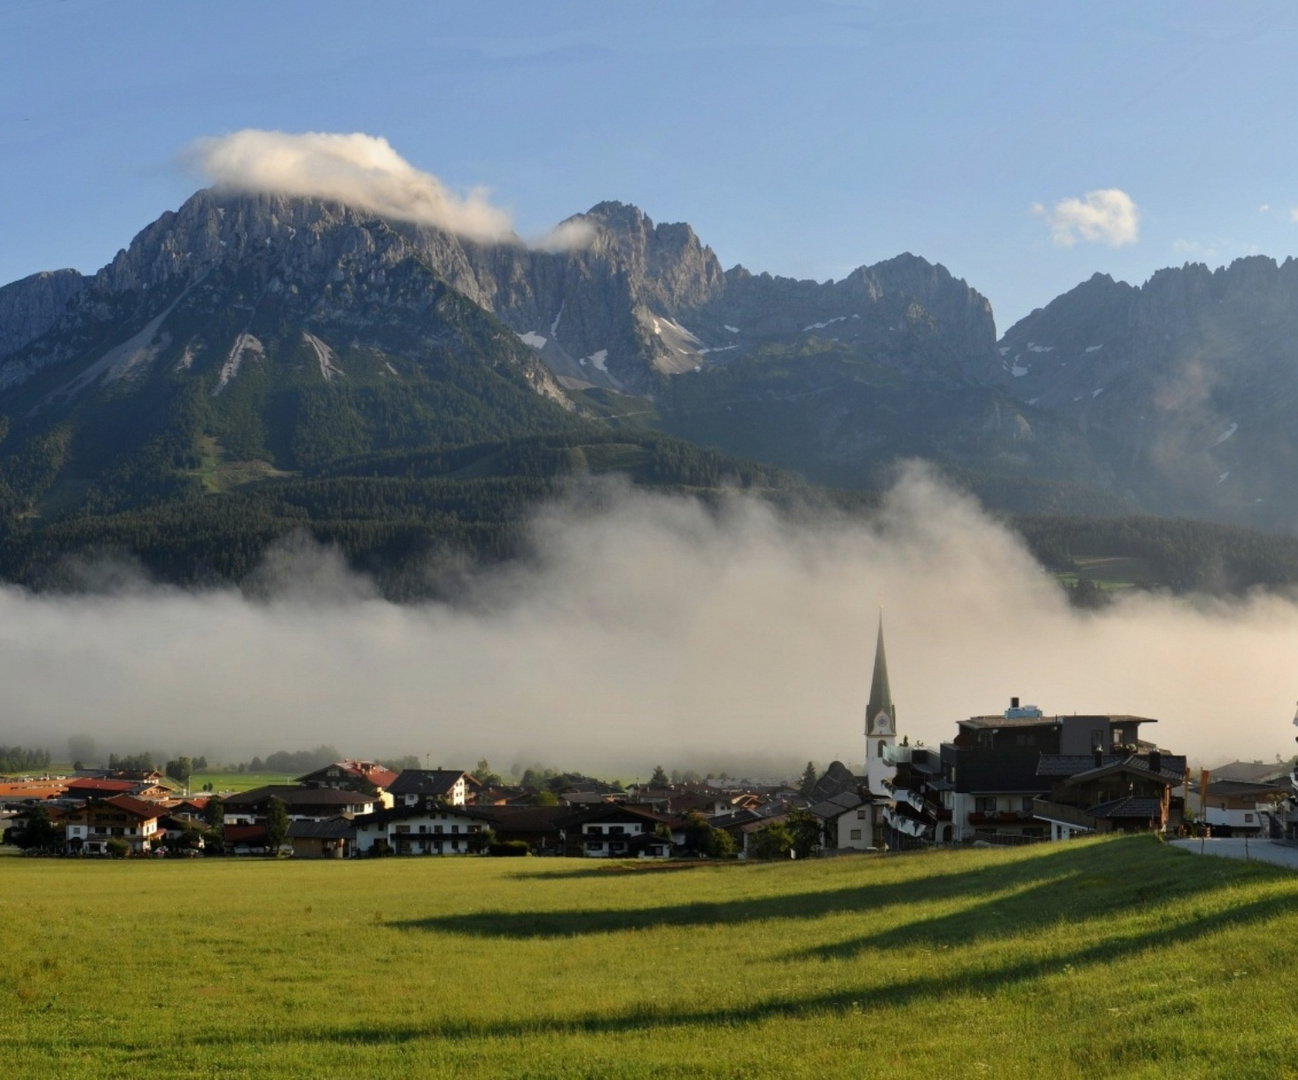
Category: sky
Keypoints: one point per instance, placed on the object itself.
(1024, 146)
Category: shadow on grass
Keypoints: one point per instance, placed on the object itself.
(615, 869)
(926, 991)
(1063, 877)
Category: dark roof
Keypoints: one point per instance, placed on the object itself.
(836, 779)
(1143, 809)
(1253, 771)
(1171, 768)
(405, 813)
(428, 781)
(978, 723)
(297, 796)
(1064, 764)
(839, 804)
(333, 829)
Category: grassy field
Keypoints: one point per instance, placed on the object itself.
(1118, 958)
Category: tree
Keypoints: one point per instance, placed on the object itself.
(276, 825)
(773, 842)
(808, 833)
(180, 769)
(40, 833)
(485, 776)
(659, 778)
(808, 781)
(545, 797)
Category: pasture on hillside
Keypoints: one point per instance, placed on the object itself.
(1116, 957)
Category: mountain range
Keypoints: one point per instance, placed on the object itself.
(251, 363)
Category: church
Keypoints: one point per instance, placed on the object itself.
(854, 809)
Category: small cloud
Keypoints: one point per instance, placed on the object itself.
(571, 235)
(1108, 216)
(1293, 214)
(1265, 208)
(359, 170)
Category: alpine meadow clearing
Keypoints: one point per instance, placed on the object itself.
(1113, 957)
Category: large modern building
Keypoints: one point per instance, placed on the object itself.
(1021, 775)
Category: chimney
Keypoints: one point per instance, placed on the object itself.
(1155, 761)
(1014, 703)
(1099, 756)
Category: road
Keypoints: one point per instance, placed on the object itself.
(1281, 853)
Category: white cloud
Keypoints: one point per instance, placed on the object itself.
(1106, 216)
(646, 628)
(1265, 208)
(1293, 214)
(360, 170)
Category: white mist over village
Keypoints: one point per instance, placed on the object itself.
(645, 629)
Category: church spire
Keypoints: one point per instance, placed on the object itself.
(880, 691)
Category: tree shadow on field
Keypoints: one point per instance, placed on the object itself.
(929, 990)
(1099, 873)
(614, 870)
(1069, 901)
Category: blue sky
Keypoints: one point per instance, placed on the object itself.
(803, 139)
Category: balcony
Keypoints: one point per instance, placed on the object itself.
(1000, 817)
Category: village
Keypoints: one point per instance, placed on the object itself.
(1015, 777)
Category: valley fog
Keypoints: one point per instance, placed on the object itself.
(646, 629)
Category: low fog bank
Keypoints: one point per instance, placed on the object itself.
(646, 629)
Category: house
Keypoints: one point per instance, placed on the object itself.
(367, 777)
(1119, 791)
(415, 787)
(332, 839)
(317, 804)
(622, 832)
(1241, 808)
(432, 829)
(845, 820)
(540, 827)
(89, 827)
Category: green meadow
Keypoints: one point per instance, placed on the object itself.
(1118, 957)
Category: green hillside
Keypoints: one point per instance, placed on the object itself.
(1111, 958)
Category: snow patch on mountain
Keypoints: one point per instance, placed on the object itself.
(244, 345)
(822, 325)
(325, 357)
(1224, 436)
(533, 339)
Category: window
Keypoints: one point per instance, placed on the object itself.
(455, 828)
(595, 845)
(860, 815)
(595, 830)
(855, 834)
(985, 804)
(423, 828)
(1027, 804)
(616, 830)
(1248, 818)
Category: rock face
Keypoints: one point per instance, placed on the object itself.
(33, 306)
(288, 310)
(1187, 386)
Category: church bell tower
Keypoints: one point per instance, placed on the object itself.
(880, 723)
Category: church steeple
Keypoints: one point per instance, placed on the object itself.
(880, 692)
(880, 724)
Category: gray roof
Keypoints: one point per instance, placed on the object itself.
(426, 781)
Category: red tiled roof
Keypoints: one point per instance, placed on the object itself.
(101, 786)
